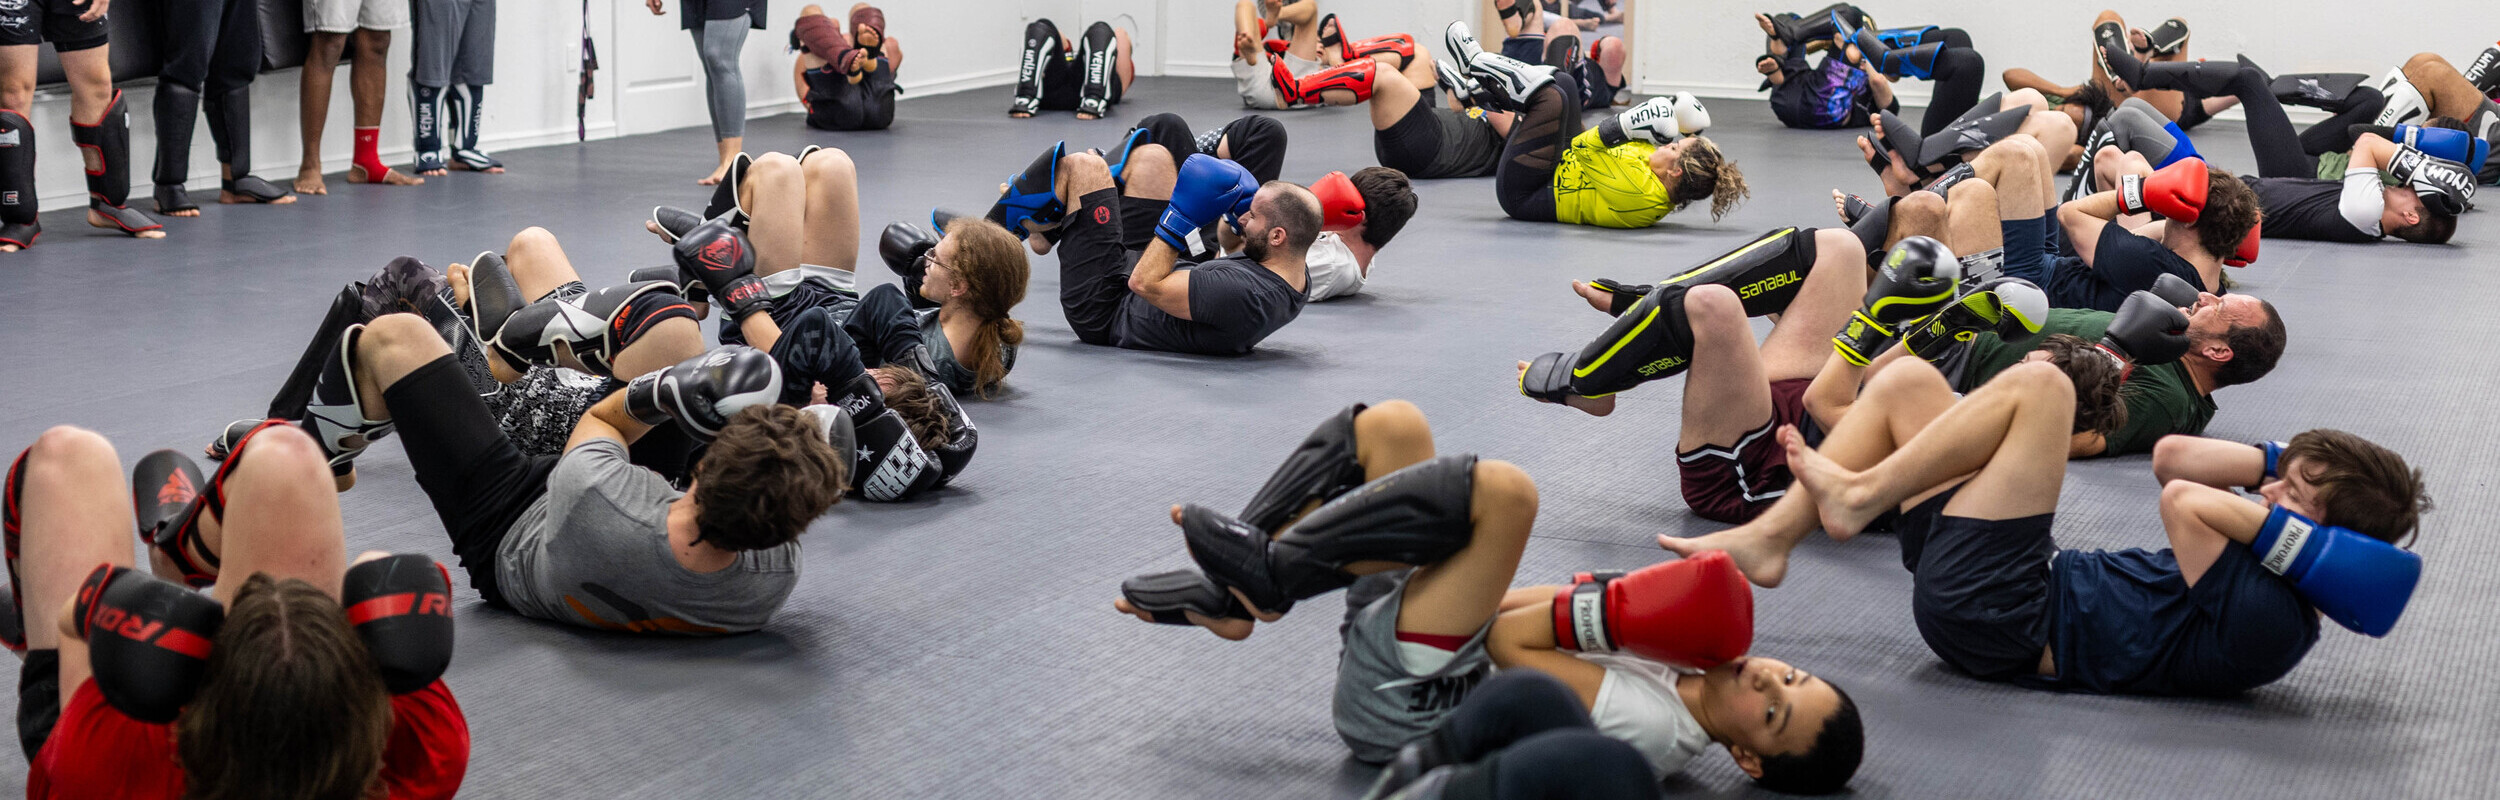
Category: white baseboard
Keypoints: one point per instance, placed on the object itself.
(1913, 96)
(1198, 69)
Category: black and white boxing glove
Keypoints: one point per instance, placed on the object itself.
(962, 438)
(148, 640)
(400, 606)
(703, 392)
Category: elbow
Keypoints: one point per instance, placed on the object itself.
(1138, 286)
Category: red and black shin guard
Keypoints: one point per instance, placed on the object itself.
(171, 499)
(13, 623)
(1353, 76)
(17, 181)
(105, 145)
(1399, 43)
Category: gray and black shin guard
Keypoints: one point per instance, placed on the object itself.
(1041, 45)
(1098, 55)
(1322, 467)
(1419, 516)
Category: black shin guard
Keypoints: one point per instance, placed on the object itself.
(1419, 515)
(296, 392)
(425, 112)
(1099, 56)
(17, 181)
(1653, 339)
(230, 126)
(1041, 45)
(1320, 468)
(177, 112)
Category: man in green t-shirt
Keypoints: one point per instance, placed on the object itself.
(2233, 339)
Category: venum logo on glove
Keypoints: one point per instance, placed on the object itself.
(720, 255)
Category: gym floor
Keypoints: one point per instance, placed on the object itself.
(965, 645)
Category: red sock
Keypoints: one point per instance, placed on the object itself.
(369, 153)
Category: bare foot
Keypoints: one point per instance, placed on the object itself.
(655, 230)
(1840, 205)
(458, 274)
(1841, 496)
(186, 212)
(9, 248)
(1896, 176)
(231, 198)
(1763, 561)
(1227, 627)
(718, 173)
(390, 177)
(463, 166)
(98, 220)
(308, 181)
(435, 171)
(1598, 298)
(1595, 406)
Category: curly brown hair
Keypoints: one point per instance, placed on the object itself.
(291, 705)
(2230, 210)
(1708, 174)
(767, 476)
(2360, 485)
(991, 264)
(2100, 405)
(918, 406)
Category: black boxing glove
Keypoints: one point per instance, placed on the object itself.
(147, 640)
(401, 607)
(890, 465)
(717, 254)
(2147, 331)
(703, 392)
(961, 437)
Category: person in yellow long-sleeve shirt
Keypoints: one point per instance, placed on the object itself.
(1627, 172)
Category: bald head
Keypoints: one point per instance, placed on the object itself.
(1283, 220)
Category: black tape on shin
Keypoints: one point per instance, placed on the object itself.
(1651, 340)
(17, 169)
(1765, 272)
(106, 147)
(1320, 468)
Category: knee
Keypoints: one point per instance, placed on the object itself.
(2424, 61)
(394, 331)
(2039, 378)
(1915, 207)
(813, 10)
(17, 92)
(1152, 162)
(2107, 15)
(1086, 173)
(281, 445)
(773, 166)
(1396, 420)
(530, 239)
(1907, 375)
(1501, 484)
(1714, 306)
(829, 164)
(2026, 97)
(64, 444)
(372, 44)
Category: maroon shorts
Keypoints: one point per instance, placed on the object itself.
(1735, 483)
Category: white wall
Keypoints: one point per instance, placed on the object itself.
(1710, 48)
(955, 45)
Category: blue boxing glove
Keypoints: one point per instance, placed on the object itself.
(2360, 582)
(2184, 150)
(1207, 188)
(2274, 461)
(2454, 145)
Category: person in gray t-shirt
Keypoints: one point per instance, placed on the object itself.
(587, 537)
(1338, 510)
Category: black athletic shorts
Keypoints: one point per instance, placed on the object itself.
(478, 481)
(1094, 263)
(55, 21)
(1979, 587)
(1063, 85)
(1430, 142)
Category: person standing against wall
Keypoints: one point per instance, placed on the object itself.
(212, 51)
(453, 62)
(333, 23)
(720, 32)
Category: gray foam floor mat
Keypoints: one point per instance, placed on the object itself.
(964, 645)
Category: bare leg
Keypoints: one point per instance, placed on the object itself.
(76, 515)
(775, 197)
(1834, 287)
(1725, 394)
(832, 238)
(1393, 96)
(729, 149)
(2019, 78)
(282, 515)
(1125, 65)
(2450, 94)
(1972, 224)
(1897, 403)
(538, 263)
(321, 65)
(2026, 414)
(1459, 596)
(1916, 214)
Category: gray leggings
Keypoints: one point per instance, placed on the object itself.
(724, 88)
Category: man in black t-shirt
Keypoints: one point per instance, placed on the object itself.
(1122, 281)
(2105, 260)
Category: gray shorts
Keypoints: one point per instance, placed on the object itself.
(1380, 705)
(1257, 82)
(455, 43)
(342, 16)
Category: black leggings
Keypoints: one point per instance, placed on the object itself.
(2335, 134)
(212, 51)
(2271, 137)
(1523, 735)
(1959, 75)
(1524, 179)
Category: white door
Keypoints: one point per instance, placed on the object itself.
(653, 69)
(1142, 18)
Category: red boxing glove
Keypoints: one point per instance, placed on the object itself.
(2246, 254)
(1696, 612)
(2176, 192)
(147, 640)
(1340, 206)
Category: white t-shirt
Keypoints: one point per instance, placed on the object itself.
(1330, 269)
(1637, 703)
